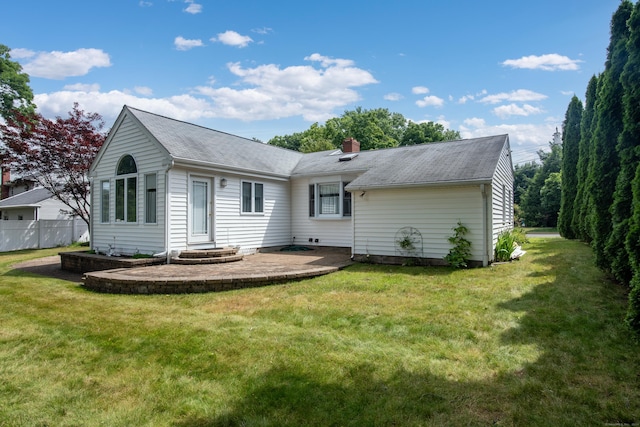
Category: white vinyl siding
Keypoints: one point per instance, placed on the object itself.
(250, 232)
(329, 232)
(502, 196)
(127, 238)
(433, 211)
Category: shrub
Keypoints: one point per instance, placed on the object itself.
(460, 253)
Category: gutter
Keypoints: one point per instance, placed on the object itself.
(481, 181)
(485, 227)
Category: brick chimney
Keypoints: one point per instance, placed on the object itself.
(6, 179)
(350, 145)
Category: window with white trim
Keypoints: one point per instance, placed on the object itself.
(150, 198)
(126, 190)
(252, 198)
(105, 194)
(329, 200)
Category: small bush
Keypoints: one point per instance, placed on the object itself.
(460, 253)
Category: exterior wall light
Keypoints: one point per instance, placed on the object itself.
(223, 182)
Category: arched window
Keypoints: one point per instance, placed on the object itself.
(126, 190)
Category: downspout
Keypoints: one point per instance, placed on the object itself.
(167, 211)
(353, 225)
(91, 215)
(485, 226)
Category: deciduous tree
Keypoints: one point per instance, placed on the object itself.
(15, 93)
(57, 153)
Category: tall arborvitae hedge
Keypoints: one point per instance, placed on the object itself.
(580, 221)
(628, 145)
(628, 196)
(603, 175)
(570, 155)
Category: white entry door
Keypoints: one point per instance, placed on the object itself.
(200, 218)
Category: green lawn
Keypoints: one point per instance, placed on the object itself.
(539, 341)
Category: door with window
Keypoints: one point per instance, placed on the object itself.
(200, 210)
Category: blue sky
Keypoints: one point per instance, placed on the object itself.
(264, 68)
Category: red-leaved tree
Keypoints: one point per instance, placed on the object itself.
(56, 153)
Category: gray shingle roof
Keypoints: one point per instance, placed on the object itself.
(28, 198)
(193, 143)
(451, 162)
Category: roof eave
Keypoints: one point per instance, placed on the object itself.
(180, 161)
(456, 183)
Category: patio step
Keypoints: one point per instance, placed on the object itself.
(207, 256)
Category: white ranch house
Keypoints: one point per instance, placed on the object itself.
(161, 186)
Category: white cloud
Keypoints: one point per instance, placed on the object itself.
(264, 92)
(143, 3)
(520, 95)
(505, 111)
(475, 122)
(464, 99)
(185, 44)
(231, 38)
(81, 87)
(58, 65)
(143, 90)
(419, 90)
(193, 8)
(109, 104)
(393, 96)
(567, 92)
(444, 122)
(262, 31)
(525, 138)
(430, 101)
(549, 62)
(272, 92)
(20, 53)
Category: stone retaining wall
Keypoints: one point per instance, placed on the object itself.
(117, 282)
(83, 262)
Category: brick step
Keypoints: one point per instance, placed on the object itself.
(208, 253)
(207, 260)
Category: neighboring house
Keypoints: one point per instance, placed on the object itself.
(13, 184)
(162, 186)
(34, 204)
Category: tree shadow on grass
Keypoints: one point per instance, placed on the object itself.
(586, 373)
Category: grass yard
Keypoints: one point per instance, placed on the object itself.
(539, 341)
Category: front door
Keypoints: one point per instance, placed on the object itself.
(200, 210)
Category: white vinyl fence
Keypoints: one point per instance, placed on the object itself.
(44, 233)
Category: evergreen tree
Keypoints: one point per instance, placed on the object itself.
(570, 153)
(605, 169)
(633, 249)
(538, 210)
(629, 145)
(579, 222)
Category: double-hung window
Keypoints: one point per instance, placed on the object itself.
(329, 200)
(126, 190)
(252, 197)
